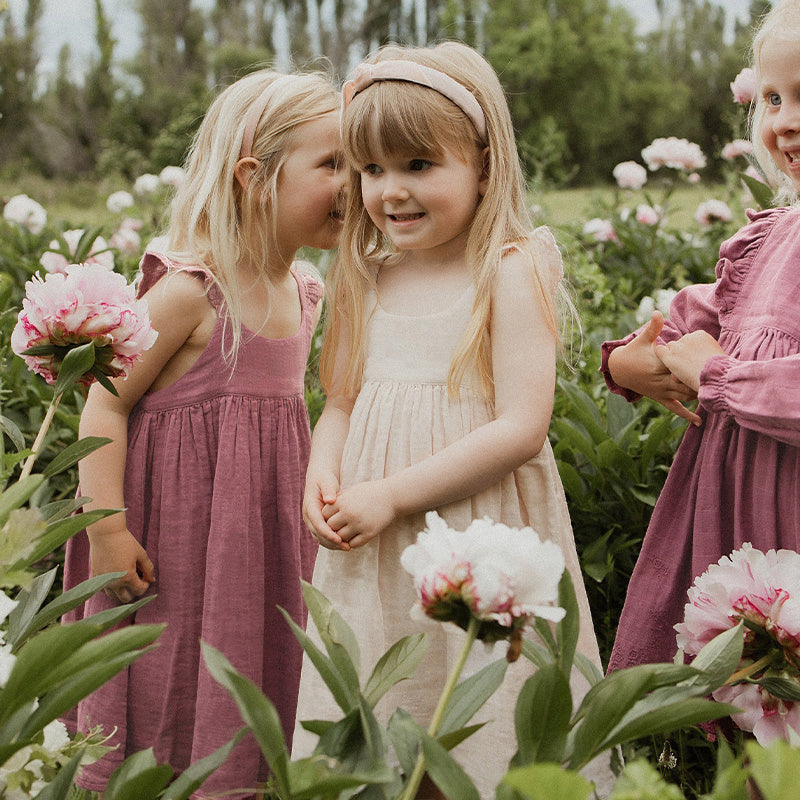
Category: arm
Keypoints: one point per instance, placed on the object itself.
(177, 309)
(759, 395)
(524, 361)
(327, 445)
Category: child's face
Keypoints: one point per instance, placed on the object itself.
(779, 88)
(424, 202)
(310, 189)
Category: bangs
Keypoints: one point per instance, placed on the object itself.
(405, 119)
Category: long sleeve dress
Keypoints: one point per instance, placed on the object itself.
(736, 478)
(214, 482)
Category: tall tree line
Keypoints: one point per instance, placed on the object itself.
(585, 90)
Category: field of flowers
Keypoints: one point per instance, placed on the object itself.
(72, 325)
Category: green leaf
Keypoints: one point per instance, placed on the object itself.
(445, 772)
(139, 777)
(256, 710)
(454, 738)
(324, 666)
(17, 495)
(73, 454)
(405, 737)
(398, 663)
(719, 659)
(542, 716)
(567, 629)
(763, 195)
(337, 636)
(66, 601)
(774, 769)
(781, 688)
(537, 653)
(196, 774)
(545, 633)
(60, 787)
(471, 694)
(28, 603)
(548, 782)
(13, 432)
(77, 362)
(314, 778)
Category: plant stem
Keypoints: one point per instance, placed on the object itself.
(48, 418)
(438, 715)
(746, 672)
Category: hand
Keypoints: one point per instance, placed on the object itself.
(320, 493)
(361, 512)
(686, 357)
(118, 551)
(637, 367)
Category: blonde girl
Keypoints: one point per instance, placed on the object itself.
(735, 345)
(439, 363)
(210, 435)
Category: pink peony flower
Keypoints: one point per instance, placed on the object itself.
(85, 303)
(647, 215)
(711, 211)
(505, 577)
(675, 153)
(126, 240)
(146, 184)
(601, 230)
(117, 202)
(630, 175)
(693, 178)
(767, 717)
(26, 213)
(172, 176)
(58, 261)
(736, 148)
(744, 87)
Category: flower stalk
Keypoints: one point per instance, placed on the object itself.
(751, 669)
(438, 714)
(37, 444)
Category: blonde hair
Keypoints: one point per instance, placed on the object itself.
(402, 117)
(214, 222)
(782, 20)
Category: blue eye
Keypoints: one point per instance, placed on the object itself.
(773, 99)
(419, 165)
(371, 169)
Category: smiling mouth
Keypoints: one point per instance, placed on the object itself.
(793, 158)
(405, 217)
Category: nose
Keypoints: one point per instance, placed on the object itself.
(787, 120)
(394, 188)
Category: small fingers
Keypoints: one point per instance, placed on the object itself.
(678, 408)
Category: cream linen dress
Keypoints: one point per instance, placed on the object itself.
(402, 415)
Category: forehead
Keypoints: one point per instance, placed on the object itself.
(321, 133)
(779, 58)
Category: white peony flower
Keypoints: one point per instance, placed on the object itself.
(118, 201)
(25, 212)
(172, 176)
(146, 184)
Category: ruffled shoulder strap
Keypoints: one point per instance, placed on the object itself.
(542, 248)
(154, 266)
(311, 283)
(736, 255)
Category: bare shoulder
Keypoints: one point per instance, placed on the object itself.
(178, 293)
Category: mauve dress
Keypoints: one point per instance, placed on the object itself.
(213, 487)
(736, 478)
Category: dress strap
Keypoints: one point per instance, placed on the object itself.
(310, 283)
(154, 266)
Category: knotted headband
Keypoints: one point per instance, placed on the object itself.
(411, 72)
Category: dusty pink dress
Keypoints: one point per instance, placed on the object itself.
(213, 487)
(736, 478)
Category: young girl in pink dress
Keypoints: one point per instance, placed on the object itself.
(439, 363)
(734, 344)
(211, 435)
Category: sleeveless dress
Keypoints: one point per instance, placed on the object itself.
(402, 415)
(736, 478)
(213, 487)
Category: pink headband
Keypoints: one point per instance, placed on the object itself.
(254, 115)
(411, 72)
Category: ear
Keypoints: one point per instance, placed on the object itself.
(244, 169)
(483, 184)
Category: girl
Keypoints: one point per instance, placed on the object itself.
(210, 432)
(439, 363)
(735, 344)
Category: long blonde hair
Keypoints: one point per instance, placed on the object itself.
(782, 21)
(400, 117)
(214, 222)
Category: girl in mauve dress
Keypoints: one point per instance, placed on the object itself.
(210, 434)
(735, 345)
(439, 363)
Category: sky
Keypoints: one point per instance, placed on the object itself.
(72, 22)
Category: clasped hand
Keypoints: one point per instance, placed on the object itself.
(342, 520)
(668, 374)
